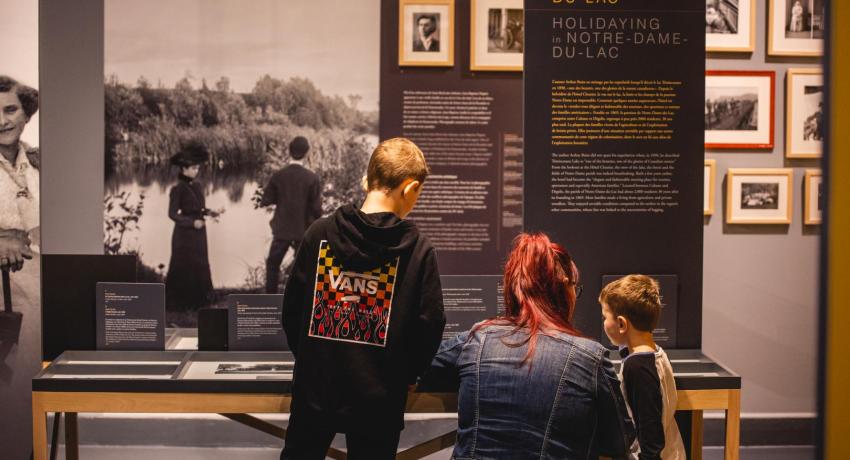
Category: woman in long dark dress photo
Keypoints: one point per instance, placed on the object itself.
(188, 284)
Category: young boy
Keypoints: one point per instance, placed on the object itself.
(630, 309)
(363, 314)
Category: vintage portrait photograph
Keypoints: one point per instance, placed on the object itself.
(496, 35)
(796, 27)
(730, 25)
(739, 109)
(426, 35)
(813, 201)
(208, 123)
(709, 177)
(804, 114)
(758, 196)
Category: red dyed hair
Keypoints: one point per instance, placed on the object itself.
(537, 276)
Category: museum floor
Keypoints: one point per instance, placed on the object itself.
(185, 453)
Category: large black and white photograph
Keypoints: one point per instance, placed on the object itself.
(731, 109)
(730, 25)
(758, 196)
(738, 110)
(426, 35)
(804, 114)
(496, 32)
(20, 224)
(796, 27)
(228, 131)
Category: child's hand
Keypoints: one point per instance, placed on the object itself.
(199, 224)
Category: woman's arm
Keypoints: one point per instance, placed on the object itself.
(174, 209)
(615, 428)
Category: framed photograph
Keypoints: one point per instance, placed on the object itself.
(796, 27)
(804, 113)
(758, 196)
(813, 204)
(730, 26)
(708, 188)
(739, 109)
(496, 35)
(426, 33)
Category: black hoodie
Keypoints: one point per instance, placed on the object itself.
(363, 314)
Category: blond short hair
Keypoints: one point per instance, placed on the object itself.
(393, 162)
(636, 298)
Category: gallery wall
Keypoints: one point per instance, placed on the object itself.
(760, 282)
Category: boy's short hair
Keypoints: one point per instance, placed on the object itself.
(394, 161)
(636, 298)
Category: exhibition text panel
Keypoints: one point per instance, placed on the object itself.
(614, 137)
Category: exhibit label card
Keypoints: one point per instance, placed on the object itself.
(613, 128)
(254, 322)
(130, 316)
(470, 299)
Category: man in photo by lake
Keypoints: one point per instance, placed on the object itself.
(296, 193)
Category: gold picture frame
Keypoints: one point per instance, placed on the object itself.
(813, 197)
(803, 104)
(731, 43)
(709, 188)
(438, 49)
(782, 42)
(759, 195)
(496, 40)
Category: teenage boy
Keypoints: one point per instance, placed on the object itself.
(630, 307)
(296, 193)
(363, 314)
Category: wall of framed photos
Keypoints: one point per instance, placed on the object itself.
(761, 265)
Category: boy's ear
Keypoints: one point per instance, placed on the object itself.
(411, 186)
(622, 323)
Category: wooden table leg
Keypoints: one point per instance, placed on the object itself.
(39, 429)
(733, 426)
(696, 435)
(54, 435)
(72, 444)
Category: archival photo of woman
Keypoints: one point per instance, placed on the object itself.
(188, 284)
(203, 100)
(20, 226)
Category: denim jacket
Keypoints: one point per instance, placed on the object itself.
(563, 403)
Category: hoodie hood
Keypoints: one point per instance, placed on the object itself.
(365, 241)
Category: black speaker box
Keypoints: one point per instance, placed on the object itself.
(212, 329)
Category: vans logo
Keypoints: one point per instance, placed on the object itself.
(351, 306)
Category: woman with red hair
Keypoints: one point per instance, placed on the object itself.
(530, 385)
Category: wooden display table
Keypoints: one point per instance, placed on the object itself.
(260, 383)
